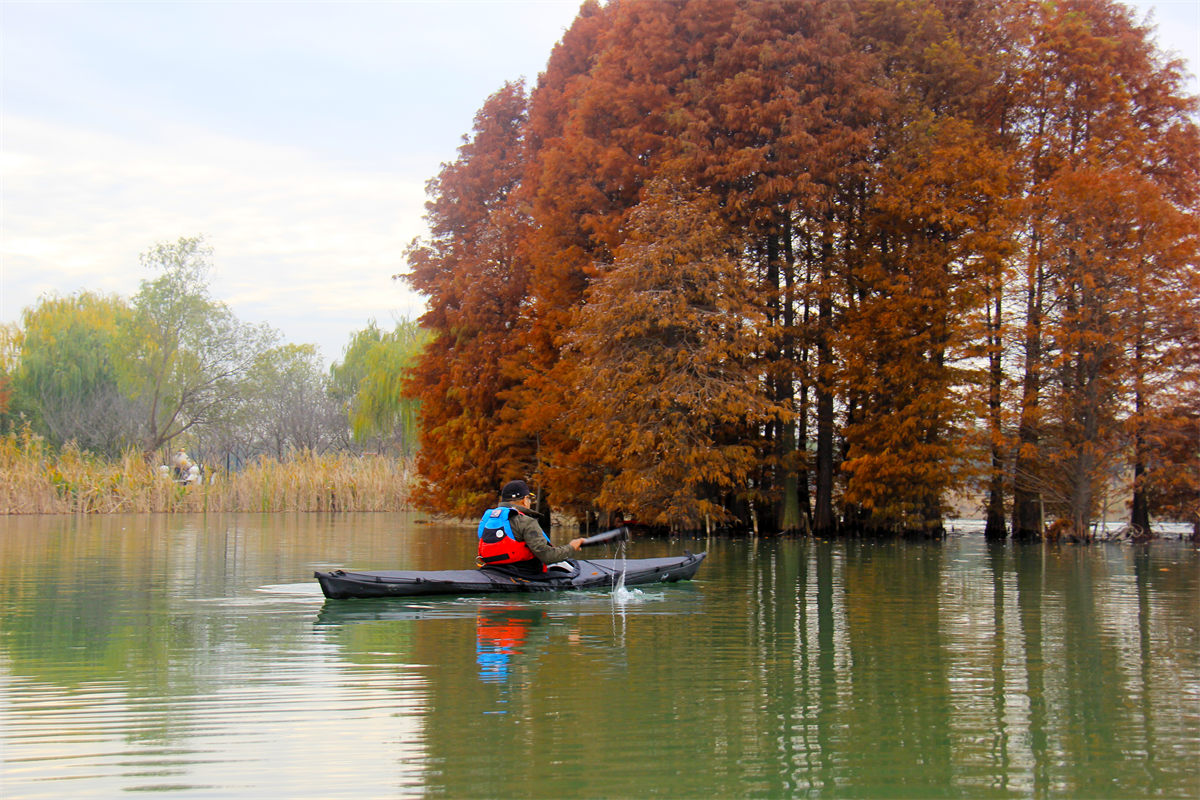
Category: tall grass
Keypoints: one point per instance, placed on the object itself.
(37, 479)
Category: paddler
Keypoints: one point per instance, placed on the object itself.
(510, 534)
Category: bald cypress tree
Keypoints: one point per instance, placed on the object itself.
(471, 270)
(667, 341)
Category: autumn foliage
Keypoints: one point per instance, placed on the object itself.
(821, 267)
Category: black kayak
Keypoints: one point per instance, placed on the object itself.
(340, 584)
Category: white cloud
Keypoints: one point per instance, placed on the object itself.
(296, 137)
(288, 230)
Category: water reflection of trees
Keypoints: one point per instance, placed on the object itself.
(792, 667)
(148, 600)
(891, 668)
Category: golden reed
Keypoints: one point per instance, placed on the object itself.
(36, 479)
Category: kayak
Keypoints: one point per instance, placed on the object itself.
(340, 584)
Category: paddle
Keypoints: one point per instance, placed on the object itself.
(616, 534)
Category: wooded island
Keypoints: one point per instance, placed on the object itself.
(816, 267)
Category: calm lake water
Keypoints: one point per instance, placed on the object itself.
(195, 656)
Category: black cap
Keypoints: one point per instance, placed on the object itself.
(514, 490)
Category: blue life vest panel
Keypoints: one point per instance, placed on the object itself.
(497, 545)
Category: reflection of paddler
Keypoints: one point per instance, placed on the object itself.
(500, 633)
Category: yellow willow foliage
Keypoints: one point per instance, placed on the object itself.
(34, 479)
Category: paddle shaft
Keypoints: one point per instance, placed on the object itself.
(615, 534)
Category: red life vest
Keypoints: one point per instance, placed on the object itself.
(497, 544)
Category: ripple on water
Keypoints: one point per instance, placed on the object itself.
(206, 663)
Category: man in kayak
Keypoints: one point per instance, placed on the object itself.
(510, 534)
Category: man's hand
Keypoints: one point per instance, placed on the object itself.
(577, 543)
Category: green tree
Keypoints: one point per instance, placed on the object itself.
(371, 379)
(66, 380)
(186, 350)
(286, 406)
(10, 337)
(346, 375)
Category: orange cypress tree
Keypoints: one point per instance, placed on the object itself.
(1162, 351)
(905, 338)
(1165, 368)
(922, 270)
(763, 101)
(668, 339)
(472, 273)
(776, 121)
(1103, 113)
(861, 155)
(597, 122)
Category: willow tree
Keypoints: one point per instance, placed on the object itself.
(378, 408)
(67, 376)
(668, 338)
(7, 363)
(10, 337)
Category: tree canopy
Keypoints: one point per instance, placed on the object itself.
(188, 349)
(70, 371)
(821, 266)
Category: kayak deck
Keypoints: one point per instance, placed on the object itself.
(342, 584)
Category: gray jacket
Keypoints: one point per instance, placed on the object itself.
(525, 528)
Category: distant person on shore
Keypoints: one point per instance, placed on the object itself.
(182, 465)
(510, 534)
(184, 470)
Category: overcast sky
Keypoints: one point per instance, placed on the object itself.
(295, 137)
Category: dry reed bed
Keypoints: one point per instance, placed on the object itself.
(35, 479)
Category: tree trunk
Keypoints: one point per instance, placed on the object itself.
(994, 528)
(1139, 518)
(824, 523)
(791, 518)
(1027, 501)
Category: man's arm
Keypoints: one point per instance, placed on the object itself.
(530, 532)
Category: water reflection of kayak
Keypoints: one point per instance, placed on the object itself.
(341, 584)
